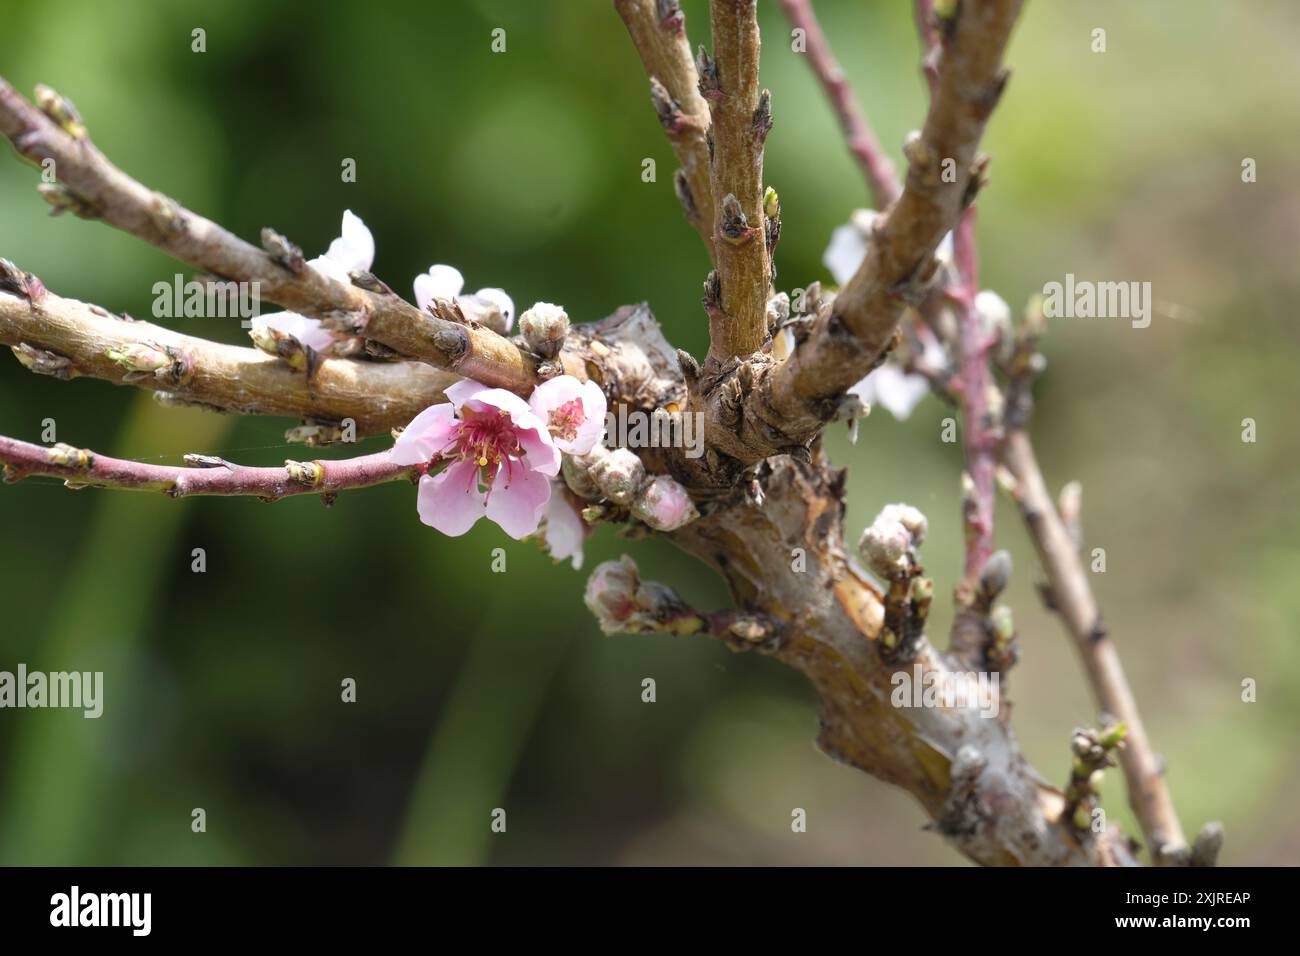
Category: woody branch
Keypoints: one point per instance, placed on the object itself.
(69, 339)
(1071, 595)
(93, 188)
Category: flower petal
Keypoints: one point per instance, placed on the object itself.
(898, 391)
(450, 501)
(354, 249)
(540, 453)
(847, 249)
(426, 436)
(553, 393)
(307, 331)
(518, 499)
(440, 282)
(502, 301)
(565, 529)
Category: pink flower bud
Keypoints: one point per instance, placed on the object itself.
(664, 504)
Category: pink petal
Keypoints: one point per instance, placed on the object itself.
(540, 453)
(593, 429)
(564, 529)
(450, 501)
(426, 436)
(553, 393)
(518, 499)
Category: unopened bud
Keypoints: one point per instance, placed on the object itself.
(310, 473)
(544, 327)
(139, 357)
(889, 544)
(995, 574)
(618, 475)
(664, 504)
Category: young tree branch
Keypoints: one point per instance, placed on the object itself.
(68, 339)
(876, 167)
(96, 189)
(780, 407)
(736, 299)
(658, 31)
(80, 468)
(1072, 598)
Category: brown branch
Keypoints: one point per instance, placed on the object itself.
(827, 620)
(876, 167)
(80, 468)
(658, 30)
(68, 339)
(737, 299)
(780, 407)
(94, 188)
(1073, 600)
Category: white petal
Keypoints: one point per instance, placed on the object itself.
(354, 250)
(898, 391)
(307, 331)
(440, 282)
(845, 253)
(502, 301)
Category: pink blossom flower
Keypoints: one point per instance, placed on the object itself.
(498, 457)
(564, 529)
(352, 251)
(446, 282)
(574, 412)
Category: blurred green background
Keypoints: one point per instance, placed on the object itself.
(479, 690)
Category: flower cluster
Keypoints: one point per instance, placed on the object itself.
(354, 251)
(486, 452)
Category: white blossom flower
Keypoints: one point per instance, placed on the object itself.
(352, 251)
(446, 282)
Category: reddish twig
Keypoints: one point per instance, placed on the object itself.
(972, 384)
(81, 468)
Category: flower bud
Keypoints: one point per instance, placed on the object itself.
(576, 471)
(995, 574)
(618, 475)
(664, 504)
(611, 594)
(544, 327)
(889, 544)
(139, 357)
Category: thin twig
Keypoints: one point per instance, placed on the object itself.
(972, 383)
(1072, 598)
(81, 468)
(876, 167)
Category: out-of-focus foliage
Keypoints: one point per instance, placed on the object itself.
(479, 690)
